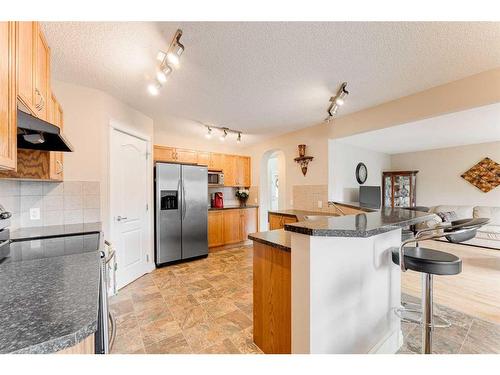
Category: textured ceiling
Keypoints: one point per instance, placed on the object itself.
(477, 125)
(268, 78)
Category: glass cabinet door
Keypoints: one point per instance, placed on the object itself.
(388, 191)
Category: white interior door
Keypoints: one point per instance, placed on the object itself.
(129, 205)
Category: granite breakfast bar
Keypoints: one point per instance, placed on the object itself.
(342, 284)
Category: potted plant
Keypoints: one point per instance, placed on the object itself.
(242, 195)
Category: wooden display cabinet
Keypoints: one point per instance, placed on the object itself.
(399, 189)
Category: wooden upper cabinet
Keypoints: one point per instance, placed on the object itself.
(56, 158)
(8, 107)
(230, 170)
(42, 75)
(26, 62)
(216, 161)
(243, 171)
(203, 158)
(161, 153)
(186, 156)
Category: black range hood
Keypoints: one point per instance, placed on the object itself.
(36, 134)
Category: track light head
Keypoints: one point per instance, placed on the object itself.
(238, 140)
(337, 101)
(208, 135)
(176, 49)
(223, 135)
(154, 88)
(163, 73)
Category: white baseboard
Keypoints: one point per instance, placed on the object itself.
(390, 344)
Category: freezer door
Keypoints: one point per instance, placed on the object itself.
(168, 207)
(195, 211)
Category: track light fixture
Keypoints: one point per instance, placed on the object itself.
(224, 132)
(166, 61)
(337, 101)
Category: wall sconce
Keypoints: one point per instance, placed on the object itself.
(303, 160)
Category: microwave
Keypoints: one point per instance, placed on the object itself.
(215, 178)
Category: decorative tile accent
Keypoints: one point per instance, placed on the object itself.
(485, 175)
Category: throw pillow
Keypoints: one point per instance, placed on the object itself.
(447, 217)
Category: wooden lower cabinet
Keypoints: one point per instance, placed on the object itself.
(86, 346)
(272, 299)
(278, 221)
(215, 228)
(230, 226)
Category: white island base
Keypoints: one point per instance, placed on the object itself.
(344, 292)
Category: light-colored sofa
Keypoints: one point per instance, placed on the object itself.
(487, 236)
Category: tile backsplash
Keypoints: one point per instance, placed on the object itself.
(229, 194)
(59, 203)
(306, 197)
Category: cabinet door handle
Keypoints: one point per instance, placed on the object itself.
(60, 166)
(39, 106)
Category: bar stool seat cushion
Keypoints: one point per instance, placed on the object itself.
(421, 259)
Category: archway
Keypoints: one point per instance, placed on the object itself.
(272, 186)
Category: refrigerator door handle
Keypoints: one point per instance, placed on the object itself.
(183, 201)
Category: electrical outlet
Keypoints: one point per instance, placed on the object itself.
(320, 204)
(255, 200)
(35, 213)
(291, 202)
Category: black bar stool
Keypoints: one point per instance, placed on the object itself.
(431, 262)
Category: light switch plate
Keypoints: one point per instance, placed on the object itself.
(320, 204)
(35, 213)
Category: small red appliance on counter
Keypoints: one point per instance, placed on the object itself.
(218, 200)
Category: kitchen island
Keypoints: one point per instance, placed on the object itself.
(49, 290)
(343, 286)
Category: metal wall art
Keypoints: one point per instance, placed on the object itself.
(485, 175)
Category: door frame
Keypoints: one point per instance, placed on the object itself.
(115, 125)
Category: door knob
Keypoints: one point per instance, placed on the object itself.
(120, 218)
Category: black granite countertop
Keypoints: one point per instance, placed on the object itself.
(360, 225)
(48, 304)
(278, 238)
(232, 207)
(33, 233)
(49, 288)
(300, 214)
(355, 205)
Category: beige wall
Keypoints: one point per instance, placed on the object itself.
(439, 181)
(477, 90)
(87, 115)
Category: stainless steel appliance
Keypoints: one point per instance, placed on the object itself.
(181, 212)
(215, 179)
(4, 233)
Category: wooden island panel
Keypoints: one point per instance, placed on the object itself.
(272, 296)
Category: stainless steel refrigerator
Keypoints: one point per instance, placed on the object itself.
(181, 211)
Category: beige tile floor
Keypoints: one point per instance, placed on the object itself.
(205, 306)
